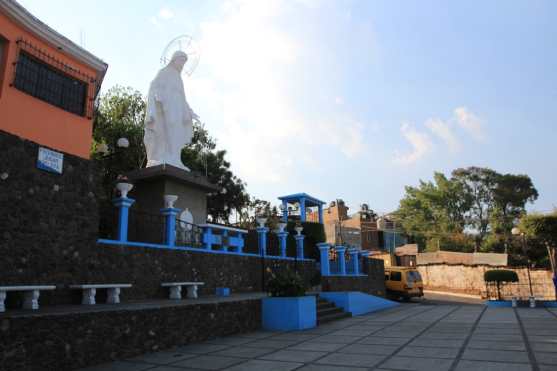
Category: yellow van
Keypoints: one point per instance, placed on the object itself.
(403, 282)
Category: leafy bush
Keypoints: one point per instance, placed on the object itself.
(286, 284)
(500, 275)
(314, 232)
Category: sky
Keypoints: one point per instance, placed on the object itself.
(347, 99)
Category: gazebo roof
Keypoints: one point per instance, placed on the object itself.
(310, 201)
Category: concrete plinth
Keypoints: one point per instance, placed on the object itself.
(152, 183)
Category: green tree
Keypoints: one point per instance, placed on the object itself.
(543, 229)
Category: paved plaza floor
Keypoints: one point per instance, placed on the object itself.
(409, 337)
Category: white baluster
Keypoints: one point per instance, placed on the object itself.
(31, 299)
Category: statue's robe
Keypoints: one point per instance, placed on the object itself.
(168, 120)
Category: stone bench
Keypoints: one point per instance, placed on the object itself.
(90, 290)
(176, 289)
(30, 295)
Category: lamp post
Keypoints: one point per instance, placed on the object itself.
(517, 232)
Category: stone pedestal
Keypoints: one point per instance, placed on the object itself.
(152, 183)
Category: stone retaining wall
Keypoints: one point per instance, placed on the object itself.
(69, 341)
(373, 283)
(469, 279)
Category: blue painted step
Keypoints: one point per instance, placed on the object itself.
(357, 303)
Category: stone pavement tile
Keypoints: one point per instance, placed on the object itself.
(356, 360)
(546, 368)
(418, 364)
(360, 332)
(243, 352)
(293, 355)
(491, 366)
(330, 368)
(382, 341)
(231, 340)
(544, 339)
(209, 362)
(321, 330)
(259, 334)
(318, 347)
(498, 345)
(435, 343)
(495, 355)
(546, 358)
(369, 349)
(273, 344)
(336, 339)
(293, 336)
(161, 358)
(173, 368)
(449, 353)
(120, 366)
(501, 331)
(202, 348)
(260, 365)
(544, 347)
(442, 335)
(496, 338)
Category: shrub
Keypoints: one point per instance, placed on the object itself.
(286, 284)
(498, 276)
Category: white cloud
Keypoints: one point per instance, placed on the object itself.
(470, 122)
(443, 131)
(339, 100)
(239, 89)
(165, 13)
(420, 142)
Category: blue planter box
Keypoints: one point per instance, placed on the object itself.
(499, 303)
(286, 314)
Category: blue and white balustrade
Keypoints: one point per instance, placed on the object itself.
(170, 212)
(282, 235)
(299, 237)
(123, 203)
(223, 240)
(340, 266)
(262, 236)
(324, 256)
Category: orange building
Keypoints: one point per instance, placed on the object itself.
(48, 84)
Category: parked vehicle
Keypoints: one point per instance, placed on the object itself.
(403, 282)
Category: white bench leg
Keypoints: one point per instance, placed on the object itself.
(31, 299)
(2, 300)
(192, 292)
(176, 292)
(113, 296)
(88, 296)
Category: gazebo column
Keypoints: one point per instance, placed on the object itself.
(284, 211)
(302, 209)
(320, 212)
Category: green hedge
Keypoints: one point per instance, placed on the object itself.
(314, 232)
(500, 275)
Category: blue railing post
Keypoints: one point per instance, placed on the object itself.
(123, 204)
(324, 256)
(354, 261)
(208, 237)
(262, 239)
(224, 240)
(282, 242)
(170, 222)
(240, 246)
(341, 260)
(299, 246)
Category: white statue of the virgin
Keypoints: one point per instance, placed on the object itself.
(168, 121)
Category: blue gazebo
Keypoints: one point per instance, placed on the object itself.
(304, 200)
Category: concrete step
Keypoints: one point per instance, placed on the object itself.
(332, 317)
(327, 311)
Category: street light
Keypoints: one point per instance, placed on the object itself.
(517, 232)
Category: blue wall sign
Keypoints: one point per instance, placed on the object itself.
(50, 160)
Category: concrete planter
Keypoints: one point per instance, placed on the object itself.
(499, 303)
(290, 313)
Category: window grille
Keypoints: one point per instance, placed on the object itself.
(52, 81)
